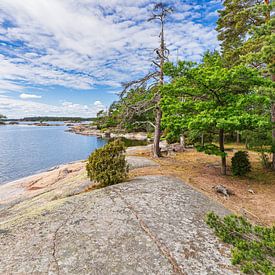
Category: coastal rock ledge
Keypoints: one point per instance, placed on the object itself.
(149, 225)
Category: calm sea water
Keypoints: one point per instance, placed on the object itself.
(25, 150)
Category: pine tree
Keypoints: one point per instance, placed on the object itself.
(246, 32)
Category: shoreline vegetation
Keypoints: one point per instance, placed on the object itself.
(92, 130)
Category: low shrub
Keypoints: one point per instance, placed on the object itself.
(107, 165)
(253, 246)
(240, 163)
(172, 138)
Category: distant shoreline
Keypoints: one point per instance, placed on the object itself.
(88, 130)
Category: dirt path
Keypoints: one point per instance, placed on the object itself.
(150, 225)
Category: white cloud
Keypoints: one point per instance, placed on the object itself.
(79, 44)
(29, 108)
(30, 96)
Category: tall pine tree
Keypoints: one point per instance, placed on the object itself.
(246, 32)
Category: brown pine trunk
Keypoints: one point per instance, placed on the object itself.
(267, 18)
(223, 158)
(273, 134)
(156, 148)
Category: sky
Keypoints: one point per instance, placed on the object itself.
(69, 57)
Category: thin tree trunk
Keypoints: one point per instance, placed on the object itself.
(156, 148)
(221, 143)
(158, 115)
(238, 137)
(273, 134)
(182, 141)
(202, 139)
(267, 18)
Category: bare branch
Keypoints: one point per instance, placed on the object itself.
(145, 122)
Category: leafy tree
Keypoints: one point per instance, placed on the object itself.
(211, 98)
(246, 32)
(125, 113)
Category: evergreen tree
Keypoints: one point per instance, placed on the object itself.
(246, 32)
(212, 98)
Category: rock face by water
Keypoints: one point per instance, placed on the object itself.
(89, 130)
(150, 225)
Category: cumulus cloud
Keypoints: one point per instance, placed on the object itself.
(80, 44)
(30, 108)
(30, 96)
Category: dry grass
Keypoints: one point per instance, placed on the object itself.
(254, 195)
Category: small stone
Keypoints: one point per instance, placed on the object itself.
(223, 190)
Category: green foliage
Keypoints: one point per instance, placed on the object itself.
(131, 142)
(236, 19)
(211, 149)
(253, 246)
(126, 113)
(171, 138)
(107, 165)
(240, 163)
(260, 140)
(211, 98)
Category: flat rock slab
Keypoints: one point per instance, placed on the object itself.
(151, 225)
(139, 162)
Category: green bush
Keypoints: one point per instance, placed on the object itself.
(172, 138)
(253, 246)
(107, 165)
(240, 163)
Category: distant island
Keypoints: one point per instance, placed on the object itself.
(52, 118)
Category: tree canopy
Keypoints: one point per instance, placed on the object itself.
(209, 97)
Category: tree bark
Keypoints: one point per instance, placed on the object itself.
(158, 115)
(223, 158)
(267, 18)
(182, 141)
(238, 137)
(156, 148)
(273, 134)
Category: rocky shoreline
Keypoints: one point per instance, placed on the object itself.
(63, 180)
(52, 224)
(89, 130)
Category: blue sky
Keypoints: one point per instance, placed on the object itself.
(69, 58)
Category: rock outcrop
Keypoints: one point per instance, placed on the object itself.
(149, 225)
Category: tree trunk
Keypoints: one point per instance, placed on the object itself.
(202, 139)
(221, 143)
(162, 52)
(182, 141)
(267, 18)
(156, 148)
(238, 137)
(273, 134)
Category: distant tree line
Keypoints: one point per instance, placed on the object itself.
(48, 118)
